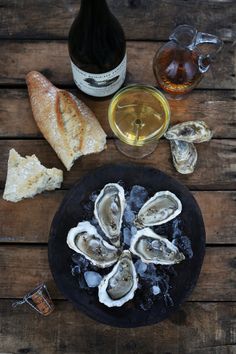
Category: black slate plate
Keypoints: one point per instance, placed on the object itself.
(71, 212)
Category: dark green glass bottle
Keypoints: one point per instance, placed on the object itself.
(97, 49)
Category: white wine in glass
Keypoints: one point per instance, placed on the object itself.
(139, 115)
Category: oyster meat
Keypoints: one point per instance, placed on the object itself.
(161, 208)
(184, 156)
(195, 131)
(85, 240)
(120, 284)
(152, 248)
(109, 209)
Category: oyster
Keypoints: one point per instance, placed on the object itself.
(85, 240)
(120, 284)
(152, 248)
(161, 208)
(109, 209)
(184, 156)
(192, 132)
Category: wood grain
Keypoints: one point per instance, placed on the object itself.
(18, 57)
(217, 108)
(216, 167)
(22, 267)
(43, 19)
(218, 209)
(199, 327)
(70, 331)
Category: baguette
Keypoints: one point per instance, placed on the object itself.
(66, 122)
(26, 177)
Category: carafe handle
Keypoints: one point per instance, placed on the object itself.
(205, 60)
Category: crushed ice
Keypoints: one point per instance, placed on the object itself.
(129, 215)
(181, 241)
(137, 197)
(156, 290)
(140, 267)
(154, 281)
(93, 279)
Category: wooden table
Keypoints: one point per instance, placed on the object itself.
(33, 35)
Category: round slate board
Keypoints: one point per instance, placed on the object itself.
(71, 212)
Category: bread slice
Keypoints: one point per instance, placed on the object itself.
(26, 177)
(66, 122)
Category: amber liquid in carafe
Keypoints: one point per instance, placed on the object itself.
(176, 69)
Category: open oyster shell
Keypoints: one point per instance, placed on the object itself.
(184, 156)
(109, 209)
(195, 131)
(152, 248)
(120, 284)
(161, 208)
(85, 240)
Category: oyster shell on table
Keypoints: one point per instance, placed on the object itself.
(153, 248)
(161, 208)
(109, 209)
(118, 286)
(184, 156)
(84, 239)
(195, 131)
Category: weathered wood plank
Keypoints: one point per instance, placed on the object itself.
(218, 209)
(217, 108)
(68, 331)
(216, 168)
(51, 58)
(43, 19)
(23, 267)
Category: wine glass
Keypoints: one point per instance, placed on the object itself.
(139, 116)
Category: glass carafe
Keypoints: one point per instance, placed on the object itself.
(180, 64)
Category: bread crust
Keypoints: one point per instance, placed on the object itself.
(66, 122)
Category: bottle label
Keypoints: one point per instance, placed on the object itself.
(100, 85)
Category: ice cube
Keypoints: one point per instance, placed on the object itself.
(75, 270)
(184, 245)
(76, 257)
(81, 261)
(176, 228)
(92, 279)
(129, 215)
(138, 196)
(133, 230)
(140, 267)
(127, 235)
(156, 290)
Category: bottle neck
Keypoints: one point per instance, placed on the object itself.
(94, 8)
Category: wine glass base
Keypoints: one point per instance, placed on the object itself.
(135, 152)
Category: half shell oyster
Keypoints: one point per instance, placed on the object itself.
(152, 248)
(195, 131)
(120, 284)
(161, 208)
(109, 209)
(85, 240)
(184, 156)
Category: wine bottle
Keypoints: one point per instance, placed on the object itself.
(97, 49)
